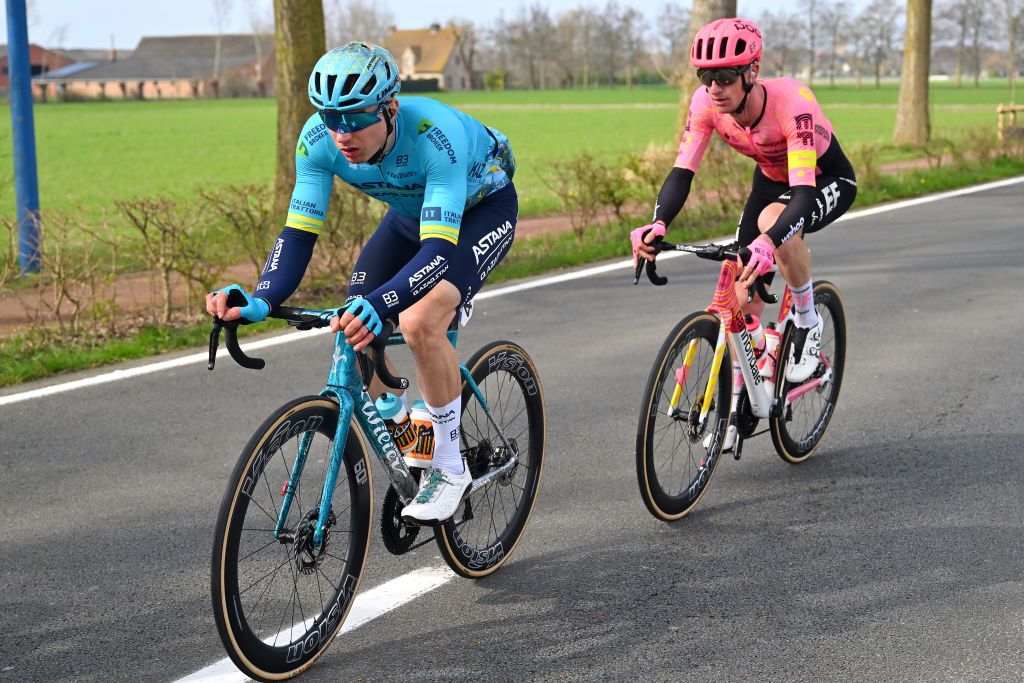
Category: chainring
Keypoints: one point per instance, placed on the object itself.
(397, 534)
(746, 423)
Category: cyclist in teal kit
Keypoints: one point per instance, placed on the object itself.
(447, 180)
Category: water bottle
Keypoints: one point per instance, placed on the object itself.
(422, 452)
(766, 364)
(753, 325)
(392, 409)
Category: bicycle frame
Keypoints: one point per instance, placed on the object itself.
(345, 385)
(760, 390)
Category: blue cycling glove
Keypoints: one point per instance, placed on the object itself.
(364, 310)
(253, 309)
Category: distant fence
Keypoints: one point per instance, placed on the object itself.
(1009, 126)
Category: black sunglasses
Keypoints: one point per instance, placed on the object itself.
(352, 121)
(724, 77)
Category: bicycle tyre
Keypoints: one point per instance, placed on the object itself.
(244, 546)
(660, 438)
(799, 429)
(510, 383)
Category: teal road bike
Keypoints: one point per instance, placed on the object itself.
(293, 532)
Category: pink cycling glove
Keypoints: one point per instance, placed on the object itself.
(762, 256)
(637, 236)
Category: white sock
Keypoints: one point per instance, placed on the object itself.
(803, 305)
(447, 423)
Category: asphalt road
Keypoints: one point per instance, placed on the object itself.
(894, 554)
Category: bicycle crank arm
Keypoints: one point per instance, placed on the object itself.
(491, 477)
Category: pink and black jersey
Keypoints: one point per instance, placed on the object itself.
(787, 141)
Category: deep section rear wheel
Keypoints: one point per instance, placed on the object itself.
(677, 450)
(279, 602)
(806, 408)
(485, 529)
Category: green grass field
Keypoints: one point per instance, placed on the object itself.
(91, 154)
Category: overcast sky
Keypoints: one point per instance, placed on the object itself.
(94, 23)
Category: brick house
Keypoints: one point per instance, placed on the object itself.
(175, 67)
(42, 60)
(431, 53)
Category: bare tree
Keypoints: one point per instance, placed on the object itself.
(299, 43)
(703, 12)
(542, 39)
(632, 31)
(261, 22)
(671, 57)
(221, 14)
(880, 20)
(978, 19)
(810, 10)
(348, 20)
(467, 46)
(780, 53)
(1012, 18)
(610, 42)
(578, 35)
(951, 26)
(528, 39)
(912, 123)
(833, 17)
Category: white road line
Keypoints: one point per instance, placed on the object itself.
(622, 266)
(367, 607)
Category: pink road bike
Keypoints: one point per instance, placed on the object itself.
(709, 388)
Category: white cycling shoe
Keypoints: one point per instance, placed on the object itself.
(798, 370)
(439, 496)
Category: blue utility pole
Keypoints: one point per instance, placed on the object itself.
(26, 183)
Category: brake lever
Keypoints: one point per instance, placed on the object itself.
(759, 282)
(231, 341)
(651, 266)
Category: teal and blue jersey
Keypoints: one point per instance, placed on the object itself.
(443, 162)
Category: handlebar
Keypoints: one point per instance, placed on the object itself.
(711, 252)
(304, 319)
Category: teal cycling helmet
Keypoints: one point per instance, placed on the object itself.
(354, 76)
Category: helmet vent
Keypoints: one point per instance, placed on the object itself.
(331, 80)
(711, 48)
(370, 85)
(387, 70)
(741, 45)
(723, 48)
(316, 81)
(349, 102)
(350, 82)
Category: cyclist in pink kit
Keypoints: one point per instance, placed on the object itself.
(802, 181)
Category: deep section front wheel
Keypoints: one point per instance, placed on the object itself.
(485, 529)
(683, 418)
(280, 600)
(806, 408)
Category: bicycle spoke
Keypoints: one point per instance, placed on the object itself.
(269, 543)
(270, 573)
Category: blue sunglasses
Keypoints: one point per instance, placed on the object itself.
(350, 121)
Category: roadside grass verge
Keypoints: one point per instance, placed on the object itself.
(92, 154)
(28, 357)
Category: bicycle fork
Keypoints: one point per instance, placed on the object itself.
(345, 409)
(744, 361)
(709, 390)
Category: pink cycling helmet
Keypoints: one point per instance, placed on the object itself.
(726, 42)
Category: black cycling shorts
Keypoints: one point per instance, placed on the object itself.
(835, 190)
(485, 236)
